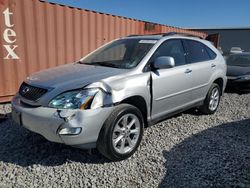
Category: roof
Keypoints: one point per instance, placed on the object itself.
(146, 37)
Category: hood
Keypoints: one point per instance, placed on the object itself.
(237, 71)
(72, 76)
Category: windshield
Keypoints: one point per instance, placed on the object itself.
(123, 53)
(239, 60)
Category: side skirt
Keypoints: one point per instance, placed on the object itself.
(166, 116)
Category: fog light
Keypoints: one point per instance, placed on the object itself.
(70, 131)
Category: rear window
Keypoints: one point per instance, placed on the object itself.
(196, 51)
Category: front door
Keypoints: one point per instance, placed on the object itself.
(170, 87)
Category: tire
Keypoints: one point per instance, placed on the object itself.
(209, 107)
(115, 141)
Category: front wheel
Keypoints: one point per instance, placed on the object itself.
(211, 103)
(121, 133)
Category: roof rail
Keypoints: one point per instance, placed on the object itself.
(168, 34)
(177, 33)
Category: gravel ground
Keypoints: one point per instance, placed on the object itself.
(188, 150)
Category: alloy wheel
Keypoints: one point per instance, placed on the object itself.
(214, 99)
(126, 133)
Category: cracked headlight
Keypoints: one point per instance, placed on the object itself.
(79, 99)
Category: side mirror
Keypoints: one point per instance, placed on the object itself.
(164, 62)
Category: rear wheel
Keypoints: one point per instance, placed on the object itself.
(121, 133)
(212, 100)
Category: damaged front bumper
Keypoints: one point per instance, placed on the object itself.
(79, 128)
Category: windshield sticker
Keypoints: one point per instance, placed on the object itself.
(148, 41)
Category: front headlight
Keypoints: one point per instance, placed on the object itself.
(79, 99)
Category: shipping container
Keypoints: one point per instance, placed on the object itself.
(37, 35)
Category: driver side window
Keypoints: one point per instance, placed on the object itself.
(172, 48)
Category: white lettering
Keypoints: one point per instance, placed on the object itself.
(7, 14)
(9, 33)
(11, 52)
(9, 36)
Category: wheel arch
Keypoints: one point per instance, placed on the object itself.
(220, 82)
(140, 103)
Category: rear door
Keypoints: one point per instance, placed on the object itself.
(170, 87)
(200, 58)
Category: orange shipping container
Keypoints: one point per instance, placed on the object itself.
(37, 35)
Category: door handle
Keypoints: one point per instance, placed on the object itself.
(213, 65)
(187, 71)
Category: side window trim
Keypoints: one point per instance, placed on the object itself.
(147, 66)
(187, 52)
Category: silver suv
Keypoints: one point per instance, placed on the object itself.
(107, 98)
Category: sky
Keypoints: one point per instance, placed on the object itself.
(179, 13)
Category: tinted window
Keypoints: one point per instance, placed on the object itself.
(211, 53)
(196, 51)
(172, 48)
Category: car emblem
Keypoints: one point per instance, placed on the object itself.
(25, 90)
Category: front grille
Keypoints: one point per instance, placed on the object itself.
(31, 92)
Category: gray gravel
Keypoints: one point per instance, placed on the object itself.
(188, 150)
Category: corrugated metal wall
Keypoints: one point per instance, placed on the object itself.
(38, 35)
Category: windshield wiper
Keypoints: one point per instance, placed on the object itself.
(105, 64)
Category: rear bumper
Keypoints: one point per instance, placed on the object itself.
(47, 122)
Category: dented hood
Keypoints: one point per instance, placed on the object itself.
(72, 76)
